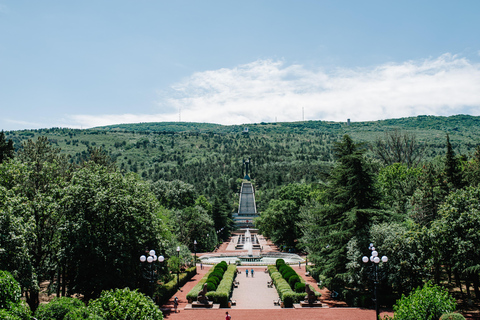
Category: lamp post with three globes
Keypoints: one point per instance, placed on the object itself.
(375, 273)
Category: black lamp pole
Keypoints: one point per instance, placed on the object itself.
(195, 251)
(178, 270)
(375, 260)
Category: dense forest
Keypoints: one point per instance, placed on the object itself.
(410, 186)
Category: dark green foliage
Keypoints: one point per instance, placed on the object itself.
(112, 218)
(6, 148)
(125, 304)
(57, 308)
(299, 287)
(6, 315)
(211, 286)
(293, 280)
(452, 316)
(279, 262)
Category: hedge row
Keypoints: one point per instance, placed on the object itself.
(192, 295)
(165, 292)
(285, 292)
(224, 289)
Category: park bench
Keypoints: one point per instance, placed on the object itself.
(233, 302)
(235, 284)
(277, 302)
(270, 284)
(307, 273)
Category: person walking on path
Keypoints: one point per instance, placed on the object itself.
(252, 273)
(227, 317)
(246, 272)
(175, 304)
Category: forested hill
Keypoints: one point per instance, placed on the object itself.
(209, 156)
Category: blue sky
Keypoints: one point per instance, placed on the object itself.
(88, 63)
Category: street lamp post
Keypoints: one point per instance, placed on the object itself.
(151, 260)
(178, 270)
(375, 260)
(195, 252)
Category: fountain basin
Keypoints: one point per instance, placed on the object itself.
(263, 260)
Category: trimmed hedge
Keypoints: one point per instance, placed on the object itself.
(165, 292)
(285, 292)
(225, 287)
(224, 290)
(192, 295)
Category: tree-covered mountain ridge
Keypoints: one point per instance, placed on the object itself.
(209, 156)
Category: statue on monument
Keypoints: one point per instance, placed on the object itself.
(246, 164)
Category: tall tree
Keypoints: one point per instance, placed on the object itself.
(6, 148)
(348, 209)
(110, 220)
(452, 171)
(398, 147)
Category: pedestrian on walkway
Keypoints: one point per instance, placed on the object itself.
(175, 304)
(201, 266)
(227, 317)
(252, 272)
(246, 272)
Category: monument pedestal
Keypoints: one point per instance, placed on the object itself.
(196, 304)
(316, 304)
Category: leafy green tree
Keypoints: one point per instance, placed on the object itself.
(428, 303)
(36, 180)
(193, 223)
(11, 307)
(174, 194)
(457, 236)
(6, 148)
(396, 184)
(111, 219)
(452, 172)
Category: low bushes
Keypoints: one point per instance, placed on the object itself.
(58, 308)
(429, 302)
(125, 304)
(165, 292)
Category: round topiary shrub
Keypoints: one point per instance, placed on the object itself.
(10, 290)
(279, 262)
(57, 308)
(211, 286)
(214, 280)
(125, 304)
(217, 274)
(289, 274)
(293, 280)
(299, 287)
(452, 316)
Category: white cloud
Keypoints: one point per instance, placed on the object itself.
(266, 90)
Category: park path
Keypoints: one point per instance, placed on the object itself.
(253, 292)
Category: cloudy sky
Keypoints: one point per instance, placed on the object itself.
(88, 63)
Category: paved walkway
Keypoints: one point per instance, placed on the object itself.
(253, 292)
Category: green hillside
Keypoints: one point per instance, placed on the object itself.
(209, 156)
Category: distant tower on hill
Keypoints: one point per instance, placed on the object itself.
(348, 122)
(246, 165)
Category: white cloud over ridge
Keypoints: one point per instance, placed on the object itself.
(267, 90)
